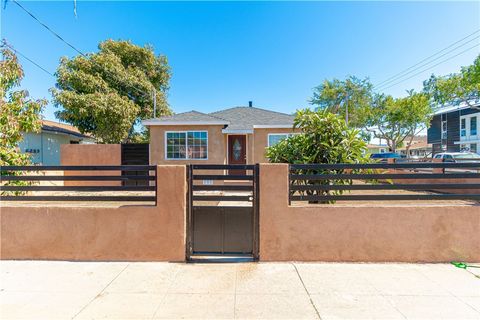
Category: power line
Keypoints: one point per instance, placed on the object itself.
(27, 58)
(48, 28)
(71, 45)
(379, 87)
(416, 74)
(426, 59)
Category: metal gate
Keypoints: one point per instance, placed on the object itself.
(135, 154)
(223, 210)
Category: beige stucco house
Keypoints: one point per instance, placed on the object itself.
(236, 135)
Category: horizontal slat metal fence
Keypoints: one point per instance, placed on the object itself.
(227, 173)
(33, 176)
(327, 183)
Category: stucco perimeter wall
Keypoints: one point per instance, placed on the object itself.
(363, 233)
(130, 232)
(91, 155)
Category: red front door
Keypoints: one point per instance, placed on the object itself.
(237, 152)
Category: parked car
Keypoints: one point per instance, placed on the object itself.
(458, 156)
(386, 155)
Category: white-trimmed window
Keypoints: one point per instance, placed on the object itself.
(473, 126)
(181, 145)
(463, 127)
(444, 129)
(469, 126)
(274, 138)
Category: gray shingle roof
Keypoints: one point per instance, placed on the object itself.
(190, 116)
(237, 118)
(244, 118)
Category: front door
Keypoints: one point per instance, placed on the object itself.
(237, 152)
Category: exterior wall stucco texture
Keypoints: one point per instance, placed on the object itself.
(216, 144)
(261, 142)
(361, 233)
(130, 232)
(91, 155)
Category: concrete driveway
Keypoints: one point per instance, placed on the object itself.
(121, 290)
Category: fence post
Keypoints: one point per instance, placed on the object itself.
(189, 220)
(438, 170)
(156, 185)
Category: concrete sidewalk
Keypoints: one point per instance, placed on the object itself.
(121, 290)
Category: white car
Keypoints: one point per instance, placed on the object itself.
(458, 156)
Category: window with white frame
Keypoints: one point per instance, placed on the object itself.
(274, 138)
(444, 129)
(186, 145)
(469, 126)
(473, 126)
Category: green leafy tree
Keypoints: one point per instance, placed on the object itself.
(108, 93)
(18, 112)
(344, 97)
(397, 121)
(323, 138)
(456, 88)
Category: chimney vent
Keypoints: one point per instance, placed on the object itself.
(250, 104)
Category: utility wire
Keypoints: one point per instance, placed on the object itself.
(379, 87)
(416, 74)
(48, 28)
(70, 45)
(424, 60)
(27, 58)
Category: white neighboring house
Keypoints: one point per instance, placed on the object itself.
(44, 146)
(419, 148)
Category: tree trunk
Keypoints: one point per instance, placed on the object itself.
(409, 145)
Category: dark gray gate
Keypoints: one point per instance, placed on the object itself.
(223, 210)
(135, 154)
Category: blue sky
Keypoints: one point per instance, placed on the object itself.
(224, 54)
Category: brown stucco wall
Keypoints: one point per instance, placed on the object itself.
(130, 232)
(411, 233)
(250, 154)
(91, 155)
(261, 142)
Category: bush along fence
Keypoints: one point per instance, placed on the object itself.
(326, 183)
(103, 183)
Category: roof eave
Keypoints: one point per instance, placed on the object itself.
(237, 131)
(154, 122)
(453, 108)
(273, 126)
(66, 132)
